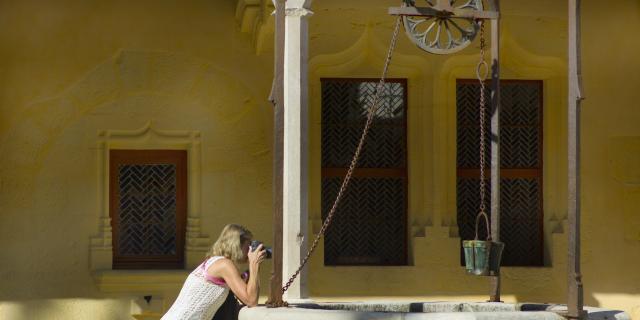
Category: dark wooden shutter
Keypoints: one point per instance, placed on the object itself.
(521, 219)
(148, 192)
(370, 226)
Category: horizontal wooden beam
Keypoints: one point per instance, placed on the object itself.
(431, 12)
(366, 172)
(504, 173)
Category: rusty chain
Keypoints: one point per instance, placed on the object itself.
(370, 113)
(482, 71)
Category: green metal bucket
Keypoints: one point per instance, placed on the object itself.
(482, 258)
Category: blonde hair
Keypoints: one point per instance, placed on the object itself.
(229, 243)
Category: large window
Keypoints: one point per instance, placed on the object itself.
(148, 191)
(370, 226)
(520, 168)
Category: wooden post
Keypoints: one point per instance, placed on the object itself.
(495, 141)
(277, 97)
(575, 295)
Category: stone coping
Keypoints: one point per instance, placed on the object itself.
(422, 311)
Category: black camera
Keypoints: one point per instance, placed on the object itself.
(268, 251)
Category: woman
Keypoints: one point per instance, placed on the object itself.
(206, 288)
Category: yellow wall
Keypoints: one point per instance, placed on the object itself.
(73, 69)
(533, 47)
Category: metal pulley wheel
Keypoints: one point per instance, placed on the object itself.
(444, 32)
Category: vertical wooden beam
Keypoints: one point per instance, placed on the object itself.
(495, 141)
(277, 97)
(575, 294)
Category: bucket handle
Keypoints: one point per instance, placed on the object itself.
(486, 219)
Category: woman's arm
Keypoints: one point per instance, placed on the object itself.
(246, 292)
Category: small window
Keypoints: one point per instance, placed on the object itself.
(521, 213)
(148, 194)
(370, 225)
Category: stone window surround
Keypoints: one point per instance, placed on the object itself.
(101, 250)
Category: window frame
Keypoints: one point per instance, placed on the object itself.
(513, 173)
(401, 173)
(141, 157)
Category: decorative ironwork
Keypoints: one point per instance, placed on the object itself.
(344, 108)
(467, 94)
(369, 227)
(147, 209)
(370, 223)
(520, 221)
(520, 127)
(346, 101)
(520, 120)
(443, 32)
(384, 149)
(520, 194)
(147, 206)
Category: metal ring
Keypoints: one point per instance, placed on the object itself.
(482, 66)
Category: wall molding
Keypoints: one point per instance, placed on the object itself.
(255, 17)
(146, 138)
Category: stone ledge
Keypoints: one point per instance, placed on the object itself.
(423, 311)
(311, 314)
(139, 281)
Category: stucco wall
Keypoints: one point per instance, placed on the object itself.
(73, 70)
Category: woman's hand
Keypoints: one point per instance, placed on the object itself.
(256, 257)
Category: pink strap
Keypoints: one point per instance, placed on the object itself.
(215, 280)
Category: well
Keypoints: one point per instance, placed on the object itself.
(438, 11)
(423, 311)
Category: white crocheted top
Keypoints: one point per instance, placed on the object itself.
(199, 299)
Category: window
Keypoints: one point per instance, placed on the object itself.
(148, 192)
(520, 168)
(370, 225)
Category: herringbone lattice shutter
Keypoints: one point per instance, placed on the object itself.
(370, 226)
(147, 210)
(521, 168)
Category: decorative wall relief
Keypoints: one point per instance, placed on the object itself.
(149, 137)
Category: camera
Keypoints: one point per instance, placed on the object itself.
(268, 251)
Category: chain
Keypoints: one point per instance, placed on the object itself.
(370, 113)
(482, 72)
